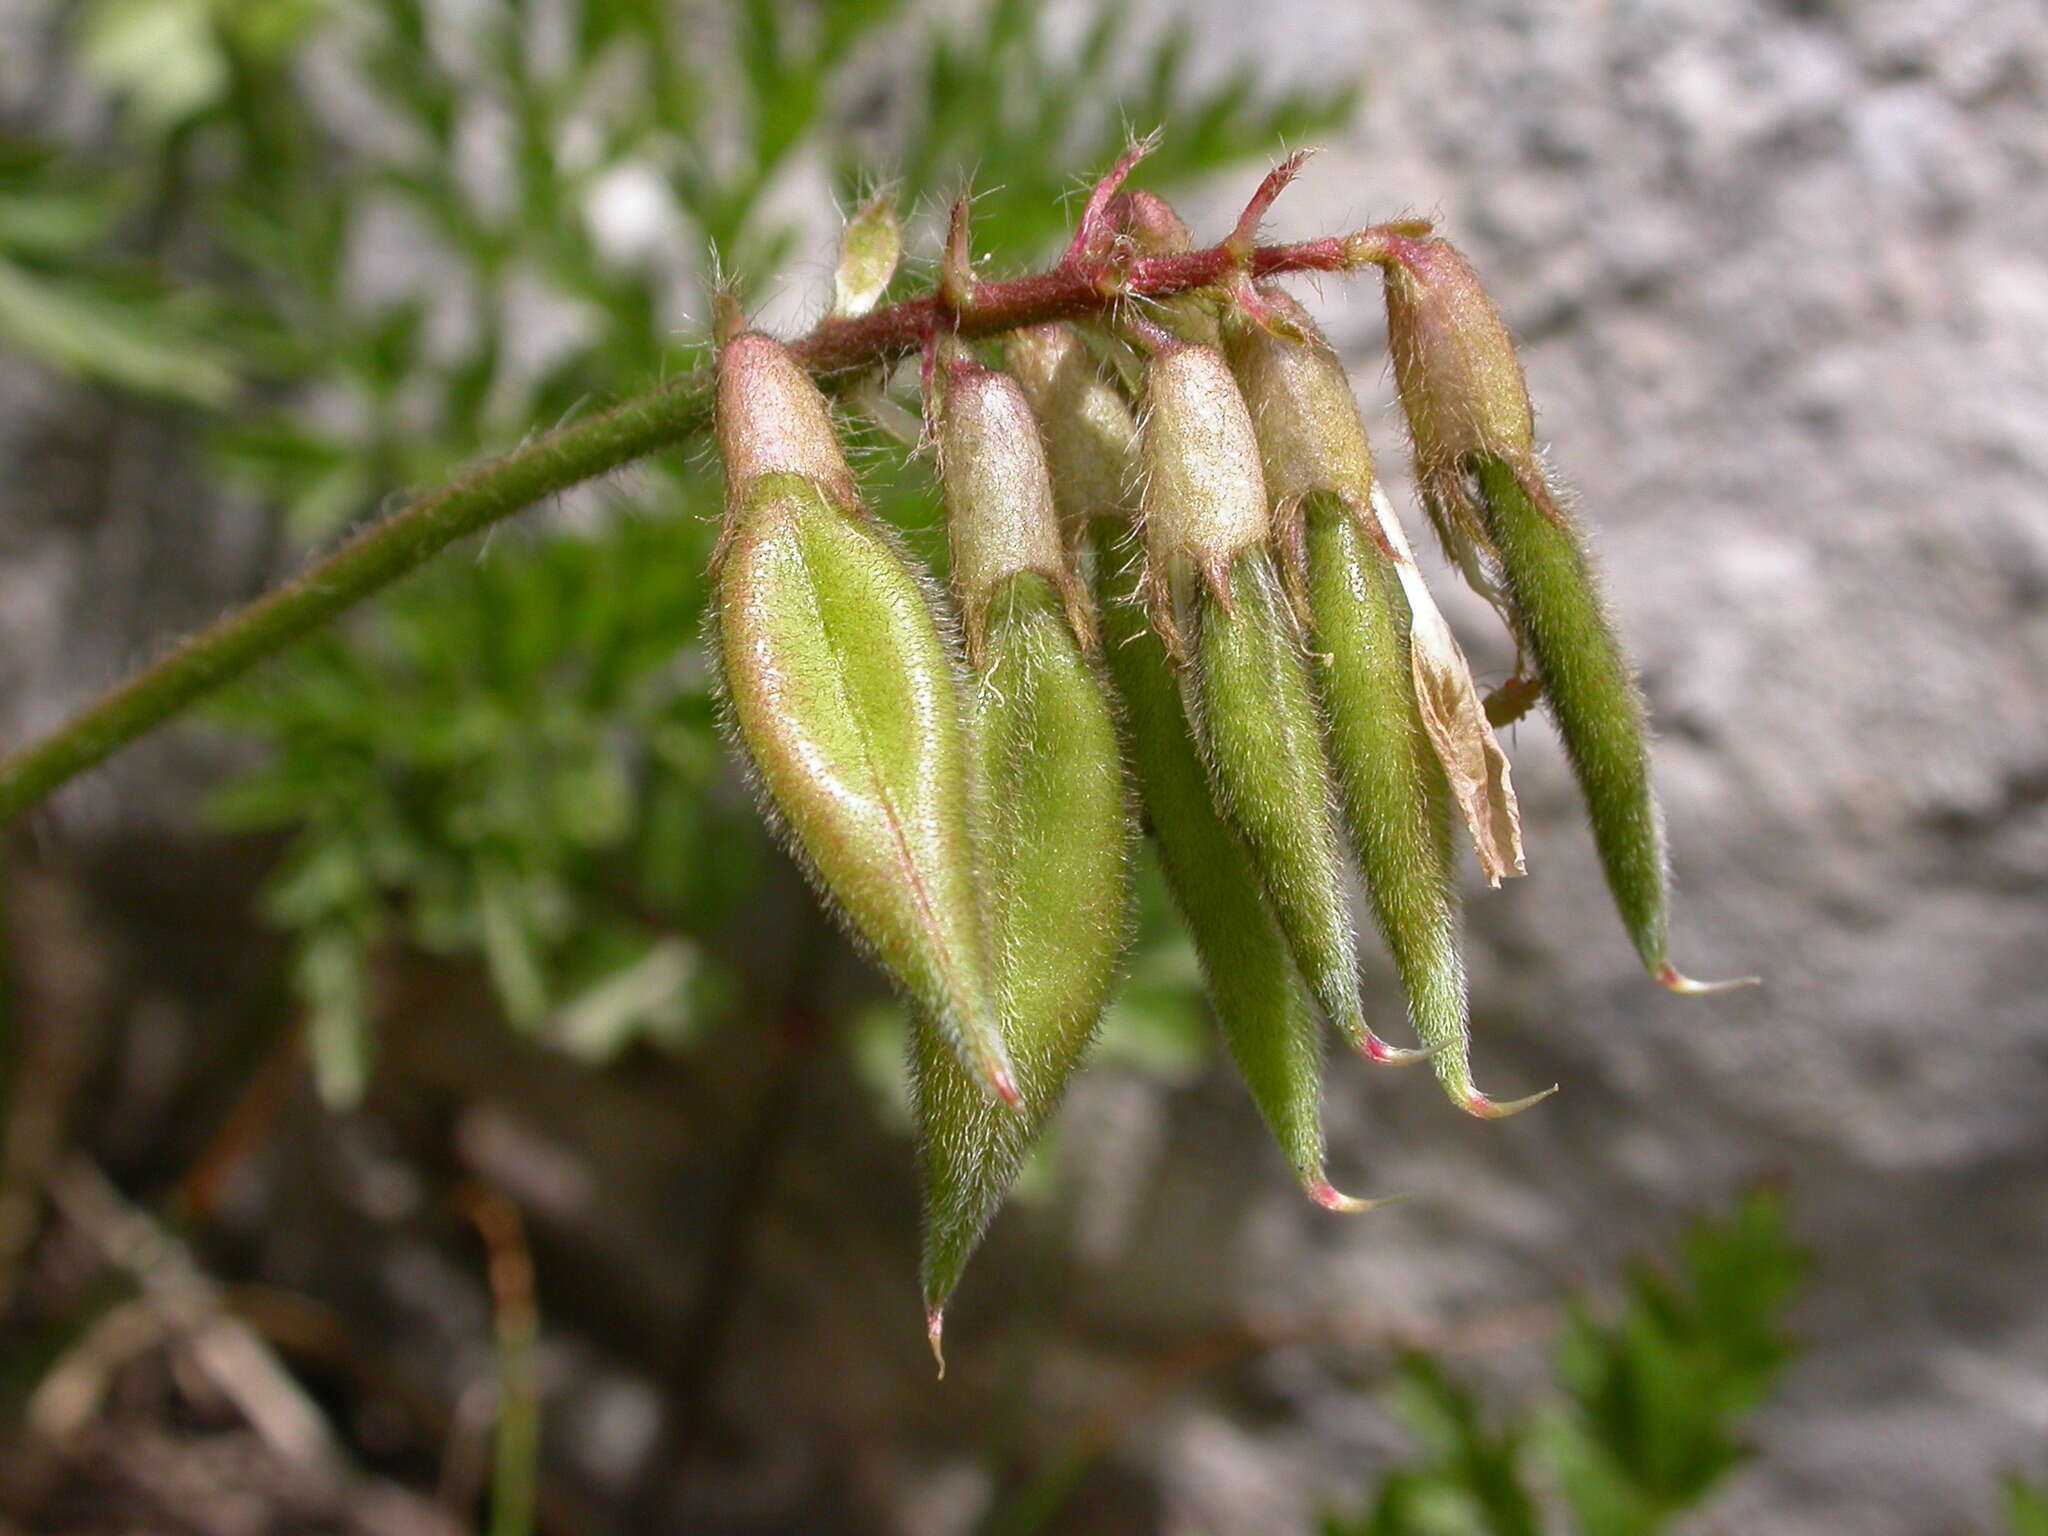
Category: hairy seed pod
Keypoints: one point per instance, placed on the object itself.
(1260, 1001)
(845, 697)
(1396, 795)
(1554, 593)
(1056, 828)
(1253, 986)
(1351, 564)
(1259, 728)
(1469, 413)
(1209, 570)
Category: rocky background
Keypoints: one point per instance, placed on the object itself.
(1782, 275)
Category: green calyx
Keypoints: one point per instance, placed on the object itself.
(1460, 377)
(771, 419)
(1086, 427)
(999, 499)
(1203, 503)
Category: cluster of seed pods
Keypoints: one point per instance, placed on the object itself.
(1180, 601)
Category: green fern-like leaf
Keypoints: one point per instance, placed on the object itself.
(1651, 1409)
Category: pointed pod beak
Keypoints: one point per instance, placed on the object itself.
(1004, 1086)
(1330, 1198)
(1671, 979)
(1481, 1107)
(1381, 1054)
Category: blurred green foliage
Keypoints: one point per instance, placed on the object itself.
(1650, 1410)
(366, 244)
(65, 301)
(2026, 1508)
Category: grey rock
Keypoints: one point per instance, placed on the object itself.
(1782, 275)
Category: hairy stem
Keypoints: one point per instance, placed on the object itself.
(1079, 287)
(368, 562)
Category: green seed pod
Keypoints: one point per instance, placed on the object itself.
(1208, 569)
(1554, 592)
(1258, 724)
(844, 695)
(1351, 563)
(1469, 413)
(1258, 997)
(1396, 801)
(1254, 987)
(1056, 827)
(1395, 791)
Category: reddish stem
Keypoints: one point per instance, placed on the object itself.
(1074, 290)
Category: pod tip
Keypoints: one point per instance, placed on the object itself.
(1004, 1086)
(935, 1335)
(1479, 1105)
(1381, 1054)
(1330, 1198)
(1671, 979)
